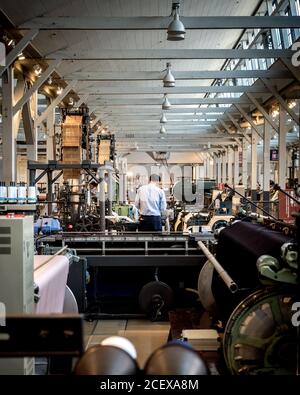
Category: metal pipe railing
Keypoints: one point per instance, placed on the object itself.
(249, 201)
(232, 286)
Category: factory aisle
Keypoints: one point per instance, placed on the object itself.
(146, 336)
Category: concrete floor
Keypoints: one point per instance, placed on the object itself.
(146, 336)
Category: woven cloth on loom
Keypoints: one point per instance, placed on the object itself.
(51, 279)
(238, 249)
(71, 144)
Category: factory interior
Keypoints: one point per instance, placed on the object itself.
(149, 187)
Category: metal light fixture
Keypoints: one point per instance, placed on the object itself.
(292, 104)
(166, 105)
(176, 29)
(71, 101)
(162, 130)
(21, 56)
(50, 80)
(59, 90)
(169, 80)
(163, 119)
(11, 43)
(37, 69)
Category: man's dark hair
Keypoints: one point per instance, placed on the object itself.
(154, 177)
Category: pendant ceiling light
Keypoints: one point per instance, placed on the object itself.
(176, 29)
(166, 105)
(163, 119)
(162, 130)
(169, 80)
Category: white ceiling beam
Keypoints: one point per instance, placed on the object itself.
(130, 90)
(55, 103)
(94, 121)
(152, 111)
(159, 23)
(176, 137)
(153, 101)
(136, 54)
(248, 119)
(82, 100)
(264, 112)
(226, 127)
(294, 70)
(36, 85)
(281, 101)
(237, 125)
(146, 129)
(156, 118)
(20, 46)
(179, 75)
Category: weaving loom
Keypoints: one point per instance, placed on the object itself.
(239, 247)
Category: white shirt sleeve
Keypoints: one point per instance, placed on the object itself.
(163, 202)
(137, 199)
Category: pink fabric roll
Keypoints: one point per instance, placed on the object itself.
(51, 279)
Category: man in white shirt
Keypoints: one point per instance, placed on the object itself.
(151, 202)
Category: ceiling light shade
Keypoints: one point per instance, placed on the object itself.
(50, 80)
(176, 29)
(166, 105)
(292, 104)
(59, 90)
(37, 69)
(21, 56)
(169, 80)
(162, 130)
(163, 119)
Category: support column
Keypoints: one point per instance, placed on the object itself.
(205, 165)
(245, 163)
(101, 194)
(122, 180)
(224, 170)
(50, 192)
(50, 136)
(236, 166)
(266, 165)
(230, 164)
(214, 167)
(282, 148)
(211, 167)
(110, 190)
(32, 153)
(219, 169)
(8, 139)
(254, 140)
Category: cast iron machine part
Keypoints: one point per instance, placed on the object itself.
(155, 299)
(106, 360)
(259, 337)
(174, 359)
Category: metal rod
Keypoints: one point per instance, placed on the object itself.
(52, 256)
(232, 286)
(40, 176)
(277, 188)
(249, 201)
(92, 175)
(57, 176)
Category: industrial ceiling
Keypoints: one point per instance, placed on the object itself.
(113, 55)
